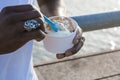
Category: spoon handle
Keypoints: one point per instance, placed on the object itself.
(52, 24)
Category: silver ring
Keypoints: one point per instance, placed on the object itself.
(31, 25)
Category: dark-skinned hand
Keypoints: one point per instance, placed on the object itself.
(78, 42)
(12, 32)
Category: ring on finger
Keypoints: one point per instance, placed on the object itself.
(31, 25)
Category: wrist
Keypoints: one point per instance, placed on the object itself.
(59, 11)
(53, 8)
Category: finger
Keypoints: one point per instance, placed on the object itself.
(77, 36)
(20, 26)
(23, 16)
(75, 40)
(41, 21)
(75, 48)
(18, 8)
(35, 34)
(60, 56)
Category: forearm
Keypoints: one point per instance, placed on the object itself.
(52, 7)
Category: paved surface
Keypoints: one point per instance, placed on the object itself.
(105, 66)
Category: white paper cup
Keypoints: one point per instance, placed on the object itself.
(60, 44)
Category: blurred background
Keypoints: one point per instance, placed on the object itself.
(96, 41)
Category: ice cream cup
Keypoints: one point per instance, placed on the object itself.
(59, 44)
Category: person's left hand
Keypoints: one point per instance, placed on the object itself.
(78, 42)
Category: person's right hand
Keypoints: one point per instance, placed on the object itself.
(12, 32)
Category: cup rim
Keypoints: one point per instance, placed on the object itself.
(74, 23)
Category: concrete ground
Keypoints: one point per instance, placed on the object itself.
(103, 66)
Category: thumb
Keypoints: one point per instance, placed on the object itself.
(35, 34)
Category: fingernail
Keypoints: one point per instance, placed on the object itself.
(42, 34)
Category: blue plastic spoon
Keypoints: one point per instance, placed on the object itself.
(54, 25)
